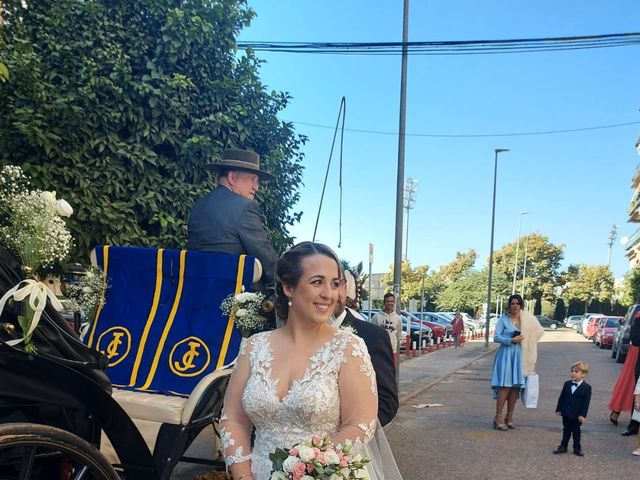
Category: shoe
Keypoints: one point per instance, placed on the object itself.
(628, 432)
(578, 453)
(560, 450)
(613, 418)
(636, 452)
(509, 424)
(499, 426)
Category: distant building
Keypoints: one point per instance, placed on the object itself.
(633, 245)
(378, 287)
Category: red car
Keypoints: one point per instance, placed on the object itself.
(592, 325)
(605, 331)
(438, 330)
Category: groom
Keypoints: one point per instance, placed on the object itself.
(377, 342)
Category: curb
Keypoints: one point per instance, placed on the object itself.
(404, 399)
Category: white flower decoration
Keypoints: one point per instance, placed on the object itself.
(305, 453)
(63, 208)
(289, 463)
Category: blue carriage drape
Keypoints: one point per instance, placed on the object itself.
(161, 326)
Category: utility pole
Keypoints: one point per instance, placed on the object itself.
(612, 238)
(410, 191)
(397, 257)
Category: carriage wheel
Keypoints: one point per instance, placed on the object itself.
(30, 451)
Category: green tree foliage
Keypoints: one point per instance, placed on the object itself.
(412, 281)
(469, 292)
(543, 264)
(631, 293)
(559, 312)
(589, 284)
(120, 104)
(459, 266)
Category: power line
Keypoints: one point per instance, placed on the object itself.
(476, 135)
(462, 47)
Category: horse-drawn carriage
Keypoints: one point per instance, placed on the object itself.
(165, 348)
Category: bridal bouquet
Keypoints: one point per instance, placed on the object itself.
(246, 309)
(320, 459)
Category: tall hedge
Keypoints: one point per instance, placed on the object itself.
(119, 104)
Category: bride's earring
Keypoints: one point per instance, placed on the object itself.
(290, 302)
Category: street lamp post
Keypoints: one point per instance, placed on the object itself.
(524, 268)
(493, 218)
(410, 190)
(515, 266)
(487, 312)
(612, 238)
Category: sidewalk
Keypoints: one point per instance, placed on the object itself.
(420, 373)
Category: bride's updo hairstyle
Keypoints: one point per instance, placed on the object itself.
(289, 270)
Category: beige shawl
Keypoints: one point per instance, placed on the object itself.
(532, 331)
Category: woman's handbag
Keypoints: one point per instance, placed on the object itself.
(531, 391)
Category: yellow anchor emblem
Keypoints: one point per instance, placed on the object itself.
(112, 348)
(194, 360)
(187, 358)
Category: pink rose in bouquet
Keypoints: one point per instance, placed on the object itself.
(318, 458)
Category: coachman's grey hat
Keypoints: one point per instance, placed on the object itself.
(241, 160)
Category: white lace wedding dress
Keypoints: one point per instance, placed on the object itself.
(336, 396)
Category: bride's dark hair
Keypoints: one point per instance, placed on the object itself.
(289, 270)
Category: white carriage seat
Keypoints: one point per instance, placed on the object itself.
(150, 411)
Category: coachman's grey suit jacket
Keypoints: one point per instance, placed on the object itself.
(225, 222)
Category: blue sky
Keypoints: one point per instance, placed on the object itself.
(575, 185)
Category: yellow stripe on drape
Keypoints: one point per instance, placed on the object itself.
(150, 319)
(227, 334)
(167, 326)
(105, 267)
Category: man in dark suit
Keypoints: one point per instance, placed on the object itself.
(573, 405)
(377, 341)
(227, 219)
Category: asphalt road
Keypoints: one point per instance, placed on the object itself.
(443, 429)
(457, 441)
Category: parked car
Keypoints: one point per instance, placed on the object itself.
(573, 321)
(547, 322)
(438, 330)
(470, 323)
(582, 326)
(620, 345)
(592, 324)
(427, 334)
(605, 331)
(435, 318)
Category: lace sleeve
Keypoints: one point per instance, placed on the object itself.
(358, 395)
(235, 431)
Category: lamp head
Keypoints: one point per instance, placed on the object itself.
(500, 150)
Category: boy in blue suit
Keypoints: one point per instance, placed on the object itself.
(573, 405)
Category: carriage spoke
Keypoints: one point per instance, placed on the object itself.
(27, 462)
(80, 474)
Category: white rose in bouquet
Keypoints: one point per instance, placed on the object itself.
(332, 457)
(289, 463)
(305, 453)
(63, 208)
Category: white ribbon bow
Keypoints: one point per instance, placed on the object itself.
(38, 293)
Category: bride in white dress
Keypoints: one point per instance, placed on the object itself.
(305, 378)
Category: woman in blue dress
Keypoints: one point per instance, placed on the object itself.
(508, 378)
